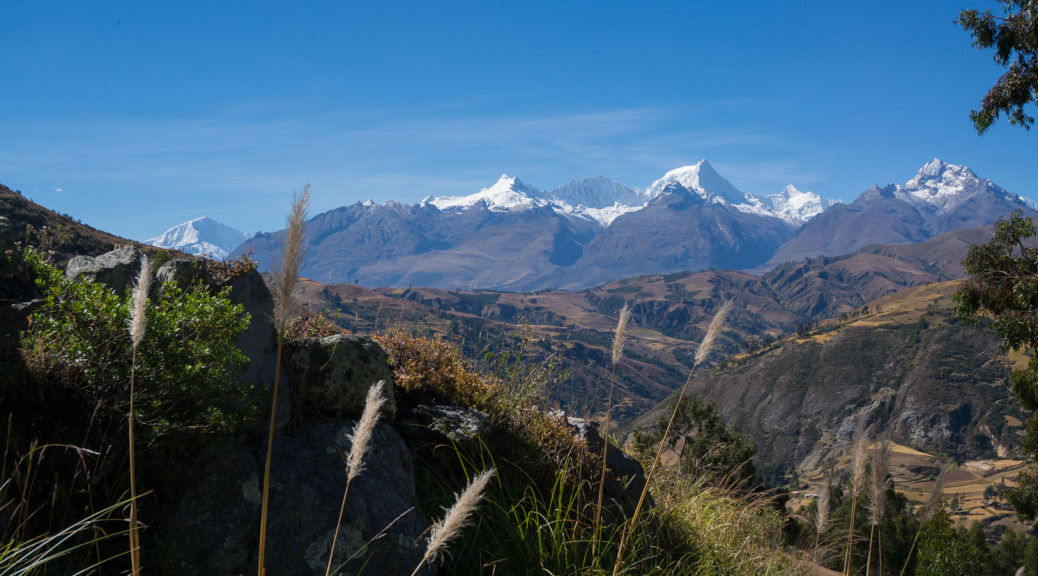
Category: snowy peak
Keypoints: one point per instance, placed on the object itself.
(507, 194)
(797, 207)
(702, 179)
(597, 192)
(945, 187)
(597, 198)
(203, 237)
(937, 180)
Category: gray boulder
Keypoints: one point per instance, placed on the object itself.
(259, 340)
(332, 375)
(214, 528)
(457, 424)
(117, 270)
(625, 477)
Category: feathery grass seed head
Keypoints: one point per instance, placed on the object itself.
(880, 482)
(140, 302)
(822, 514)
(621, 334)
(934, 499)
(286, 273)
(861, 449)
(362, 432)
(458, 516)
(707, 345)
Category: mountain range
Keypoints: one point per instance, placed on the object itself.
(513, 236)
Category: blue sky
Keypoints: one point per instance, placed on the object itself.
(136, 116)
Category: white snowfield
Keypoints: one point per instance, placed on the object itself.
(202, 236)
(603, 200)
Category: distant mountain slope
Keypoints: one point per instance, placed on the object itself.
(670, 313)
(396, 244)
(903, 364)
(78, 239)
(678, 230)
(940, 198)
(202, 237)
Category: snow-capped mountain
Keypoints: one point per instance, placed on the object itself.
(947, 186)
(940, 198)
(797, 207)
(202, 236)
(596, 198)
(702, 179)
(790, 205)
(603, 200)
(514, 236)
(508, 194)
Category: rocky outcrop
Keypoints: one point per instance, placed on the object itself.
(333, 374)
(214, 529)
(454, 423)
(625, 478)
(117, 269)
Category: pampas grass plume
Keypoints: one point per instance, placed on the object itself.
(621, 334)
(880, 482)
(286, 273)
(457, 517)
(362, 433)
(934, 499)
(140, 302)
(822, 514)
(355, 461)
(707, 345)
(861, 449)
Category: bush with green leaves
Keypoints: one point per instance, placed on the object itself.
(187, 362)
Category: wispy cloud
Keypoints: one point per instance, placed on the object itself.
(245, 161)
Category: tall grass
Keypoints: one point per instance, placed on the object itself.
(137, 326)
(355, 462)
(619, 339)
(859, 456)
(286, 274)
(704, 349)
(933, 501)
(25, 550)
(458, 516)
(880, 483)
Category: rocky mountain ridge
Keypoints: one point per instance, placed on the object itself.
(940, 198)
(512, 236)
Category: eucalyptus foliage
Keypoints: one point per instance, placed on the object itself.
(1003, 283)
(1014, 36)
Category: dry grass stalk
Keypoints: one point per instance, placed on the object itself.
(880, 483)
(858, 459)
(286, 274)
(138, 322)
(456, 519)
(821, 515)
(621, 334)
(618, 349)
(705, 347)
(932, 502)
(355, 461)
(822, 512)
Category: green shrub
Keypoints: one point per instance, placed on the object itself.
(187, 362)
